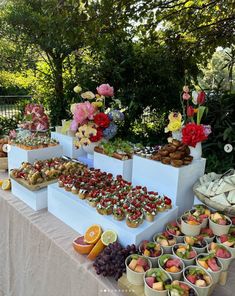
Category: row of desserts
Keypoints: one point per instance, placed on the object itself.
(116, 196)
(33, 142)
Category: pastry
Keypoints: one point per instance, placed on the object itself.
(177, 155)
(163, 152)
(176, 143)
(166, 160)
(177, 163)
(134, 219)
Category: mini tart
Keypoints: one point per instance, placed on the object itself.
(74, 190)
(133, 220)
(118, 214)
(105, 206)
(82, 193)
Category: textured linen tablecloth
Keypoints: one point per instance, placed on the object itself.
(37, 258)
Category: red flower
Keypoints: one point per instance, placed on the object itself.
(201, 98)
(102, 120)
(193, 134)
(98, 135)
(190, 111)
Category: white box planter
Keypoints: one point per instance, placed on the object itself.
(18, 155)
(36, 200)
(79, 215)
(176, 183)
(112, 165)
(67, 142)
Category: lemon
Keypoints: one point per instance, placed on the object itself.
(108, 237)
(6, 184)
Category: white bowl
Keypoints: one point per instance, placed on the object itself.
(174, 275)
(190, 230)
(151, 292)
(225, 261)
(187, 262)
(196, 293)
(199, 250)
(219, 229)
(231, 249)
(166, 249)
(154, 260)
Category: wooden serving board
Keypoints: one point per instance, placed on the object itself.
(3, 163)
(129, 289)
(33, 187)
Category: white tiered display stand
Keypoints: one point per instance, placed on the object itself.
(176, 183)
(18, 155)
(67, 142)
(113, 165)
(78, 214)
(36, 200)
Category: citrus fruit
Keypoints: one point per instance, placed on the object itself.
(97, 249)
(92, 234)
(108, 237)
(6, 184)
(1, 181)
(81, 247)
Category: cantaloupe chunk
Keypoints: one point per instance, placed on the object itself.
(146, 253)
(158, 286)
(132, 264)
(139, 268)
(203, 264)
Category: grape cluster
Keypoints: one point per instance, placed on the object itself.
(111, 261)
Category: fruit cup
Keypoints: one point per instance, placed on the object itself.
(166, 240)
(179, 288)
(211, 264)
(172, 265)
(219, 223)
(190, 225)
(185, 252)
(136, 266)
(202, 213)
(155, 282)
(208, 235)
(227, 240)
(173, 229)
(151, 251)
(199, 278)
(222, 253)
(198, 242)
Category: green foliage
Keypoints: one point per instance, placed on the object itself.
(7, 124)
(221, 117)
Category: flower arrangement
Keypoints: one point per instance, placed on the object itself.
(34, 118)
(189, 124)
(91, 121)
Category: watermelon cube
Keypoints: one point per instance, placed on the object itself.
(150, 281)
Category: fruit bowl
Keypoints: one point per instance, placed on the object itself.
(219, 223)
(185, 252)
(227, 240)
(222, 253)
(179, 288)
(166, 240)
(151, 251)
(190, 225)
(156, 281)
(172, 265)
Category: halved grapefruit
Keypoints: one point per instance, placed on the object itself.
(81, 247)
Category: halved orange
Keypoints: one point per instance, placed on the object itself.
(92, 234)
(81, 247)
(98, 248)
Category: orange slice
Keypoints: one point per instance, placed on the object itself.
(98, 248)
(92, 234)
(81, 247)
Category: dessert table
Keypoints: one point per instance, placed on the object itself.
(37, 258)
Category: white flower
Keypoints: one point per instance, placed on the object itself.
(77, 89)
(194, 97)
(88, 95)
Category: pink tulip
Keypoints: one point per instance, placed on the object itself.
(186, 96)
(105, 90)
(201, 98)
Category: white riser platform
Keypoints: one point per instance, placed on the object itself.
(112, 165)
(67, 142)
(79, 215)
(36, 200)
(18, 155)
(176, 183)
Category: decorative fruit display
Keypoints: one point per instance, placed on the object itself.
(165, 239)
(195, 241)
(157, 279)
(228, 240)
(150, 249)
(178, 288)
(45, 170)
(138, 263)
(202, 213)
(6, 184)
(190, 225)
(108, 237)
(175, 153)
(198, 277)
(171, 264)
(220, 219)
(208, 234)
(190, 219)
(173, 229)
(81, 246)
(111, 261)
(219, 250)
(184, 251)
(209, 262)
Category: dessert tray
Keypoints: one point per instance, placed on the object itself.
(217, 191)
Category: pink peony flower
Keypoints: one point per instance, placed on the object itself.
(105, 90)
(83, 111)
